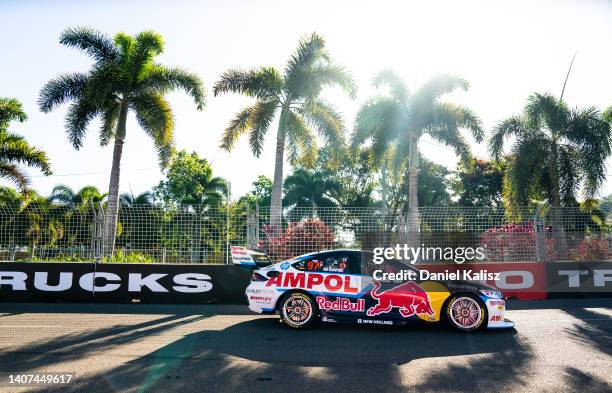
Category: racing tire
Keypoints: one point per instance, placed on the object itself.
(298, 310)
(465, 312)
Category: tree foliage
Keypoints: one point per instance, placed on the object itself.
(15, 150)
(124, 76)
(190, 181)
(390, 121)
(293, 94)
(260, 194)
(480, 184)
(556, 150)
(433, 186)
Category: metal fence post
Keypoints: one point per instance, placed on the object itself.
(540, 243)
(99, 234)
(227, 228)
(252, 230)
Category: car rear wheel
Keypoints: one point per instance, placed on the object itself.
(298, 310)
(465, 312)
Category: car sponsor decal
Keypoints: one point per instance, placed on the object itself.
(260, 298)
(340, 304)
(374, 322)
(333, 283)
(408, 298)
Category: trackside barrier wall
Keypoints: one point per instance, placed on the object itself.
(225, 284)
(122, 283)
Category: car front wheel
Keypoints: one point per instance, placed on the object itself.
(298, 310)
(465, 313)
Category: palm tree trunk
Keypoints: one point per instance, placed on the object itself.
(559, 238)
(413, 199)
(277, 185)
(383, 188)
(112, 207)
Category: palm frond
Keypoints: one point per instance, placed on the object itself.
(591, 135)
(514, 125)
(79, 114)
(259, 123)
(327, 121)
(125, 46)
(61, 89)
(377, 118)
(449, 135)
(400, 155)
(165, 79)
(10, 110)
(95, 43)
(569, 172)
(466, 118)
(15, 175)
(105, 84)
(256, 118)
(264, 82)
(545, 109)
(110, 115)
(308, 83)
(62, 194)
(301, 142)
(154, 115)
(447, 115)
(437, 86)
(15, 149)
(310, 50)
(148, 44)
(394, 82)
(531, 156)
(238, 125)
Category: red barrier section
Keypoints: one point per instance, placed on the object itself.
(523, 281)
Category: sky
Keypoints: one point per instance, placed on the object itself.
(506, 49)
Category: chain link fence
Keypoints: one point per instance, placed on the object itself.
(203, 234)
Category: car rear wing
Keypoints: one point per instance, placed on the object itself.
(249, 257)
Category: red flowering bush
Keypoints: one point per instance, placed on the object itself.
(302, 237)
(590, 250)
(510, 242)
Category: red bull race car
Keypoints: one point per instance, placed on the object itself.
(338, 286)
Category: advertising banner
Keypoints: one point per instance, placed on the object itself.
(579, 277)
(122, 283)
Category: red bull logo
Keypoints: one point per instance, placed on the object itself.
(340, 304)
(408, 298)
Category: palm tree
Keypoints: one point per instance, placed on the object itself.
(294, 93)
(310, 188)
(66, 196)
(395, 122)
(124, 77)
(143, 199)
(556, 149)
(15, 150)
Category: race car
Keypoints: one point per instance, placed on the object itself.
(338, 286)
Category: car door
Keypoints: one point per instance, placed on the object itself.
(342, 298)
(395, 300)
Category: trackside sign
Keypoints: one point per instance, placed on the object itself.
(121, 283)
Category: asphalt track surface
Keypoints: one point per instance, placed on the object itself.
(558, 346)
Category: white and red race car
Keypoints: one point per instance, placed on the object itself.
(337, 286)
